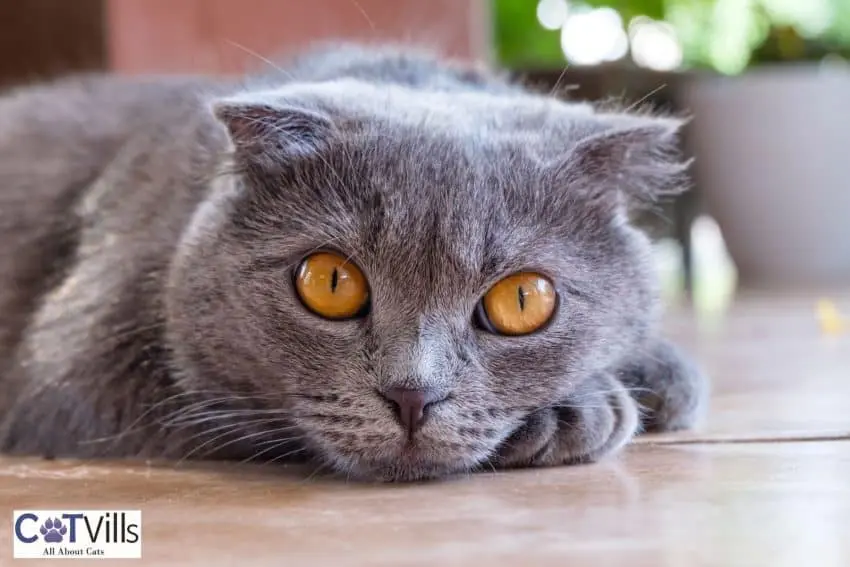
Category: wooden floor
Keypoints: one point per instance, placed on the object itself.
(765, 481)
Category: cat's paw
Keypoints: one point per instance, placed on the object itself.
(671, 391)
(597, 419)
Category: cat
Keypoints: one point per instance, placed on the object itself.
(376, 259)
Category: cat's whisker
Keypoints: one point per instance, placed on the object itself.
(263, 59)
(244, 437)
(275, 440)
(645, 97)
(133, 425)
(235, 426)
(228, 430)
(197, 406)
(184, 415)
(204, 416)
(195, 410)
(259, 454)
(274, 446)
(320, 466)
(225, 397)
(223, 431)
(365, 15)
(287, 454)
(553, 93)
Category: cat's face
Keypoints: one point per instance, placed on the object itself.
(433, 216)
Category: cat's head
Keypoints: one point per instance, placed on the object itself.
(471, 248)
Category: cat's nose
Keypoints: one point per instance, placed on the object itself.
(411, 405)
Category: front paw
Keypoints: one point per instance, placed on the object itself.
(596, 420)
(670, 389)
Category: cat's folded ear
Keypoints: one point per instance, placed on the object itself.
(272, 134)
(628, 160)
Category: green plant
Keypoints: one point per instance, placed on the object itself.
(732, 35)
(723, 35)
(520, 40)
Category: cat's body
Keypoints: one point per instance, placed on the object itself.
(146, 298)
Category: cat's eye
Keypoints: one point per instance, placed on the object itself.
(331, 286)
(518, 305)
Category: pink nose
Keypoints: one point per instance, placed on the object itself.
(411, 405)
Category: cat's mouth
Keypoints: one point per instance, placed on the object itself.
(413, 458)
(382, 442)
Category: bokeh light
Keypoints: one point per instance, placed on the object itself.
(552, 14)
(654, 44)
(594, 36)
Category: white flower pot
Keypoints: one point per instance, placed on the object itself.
(772, 151)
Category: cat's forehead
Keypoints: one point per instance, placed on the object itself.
(461, 212)
(435, 110)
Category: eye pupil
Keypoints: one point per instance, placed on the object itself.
(334, 280)
(521, 294)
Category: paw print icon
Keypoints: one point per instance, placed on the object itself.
(53, 530)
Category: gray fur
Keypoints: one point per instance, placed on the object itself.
(150, 228)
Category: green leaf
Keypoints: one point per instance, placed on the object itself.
(520, 39)
(628, 9)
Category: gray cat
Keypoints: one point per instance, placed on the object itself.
(392, 265)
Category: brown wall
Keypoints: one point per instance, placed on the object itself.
(43, 38)
(199, 35)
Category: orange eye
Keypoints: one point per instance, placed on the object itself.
(519, 304)
(331, 286)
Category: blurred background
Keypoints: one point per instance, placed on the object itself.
(767, 83)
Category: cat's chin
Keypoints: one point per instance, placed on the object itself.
(402, 471)
(407, 466)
